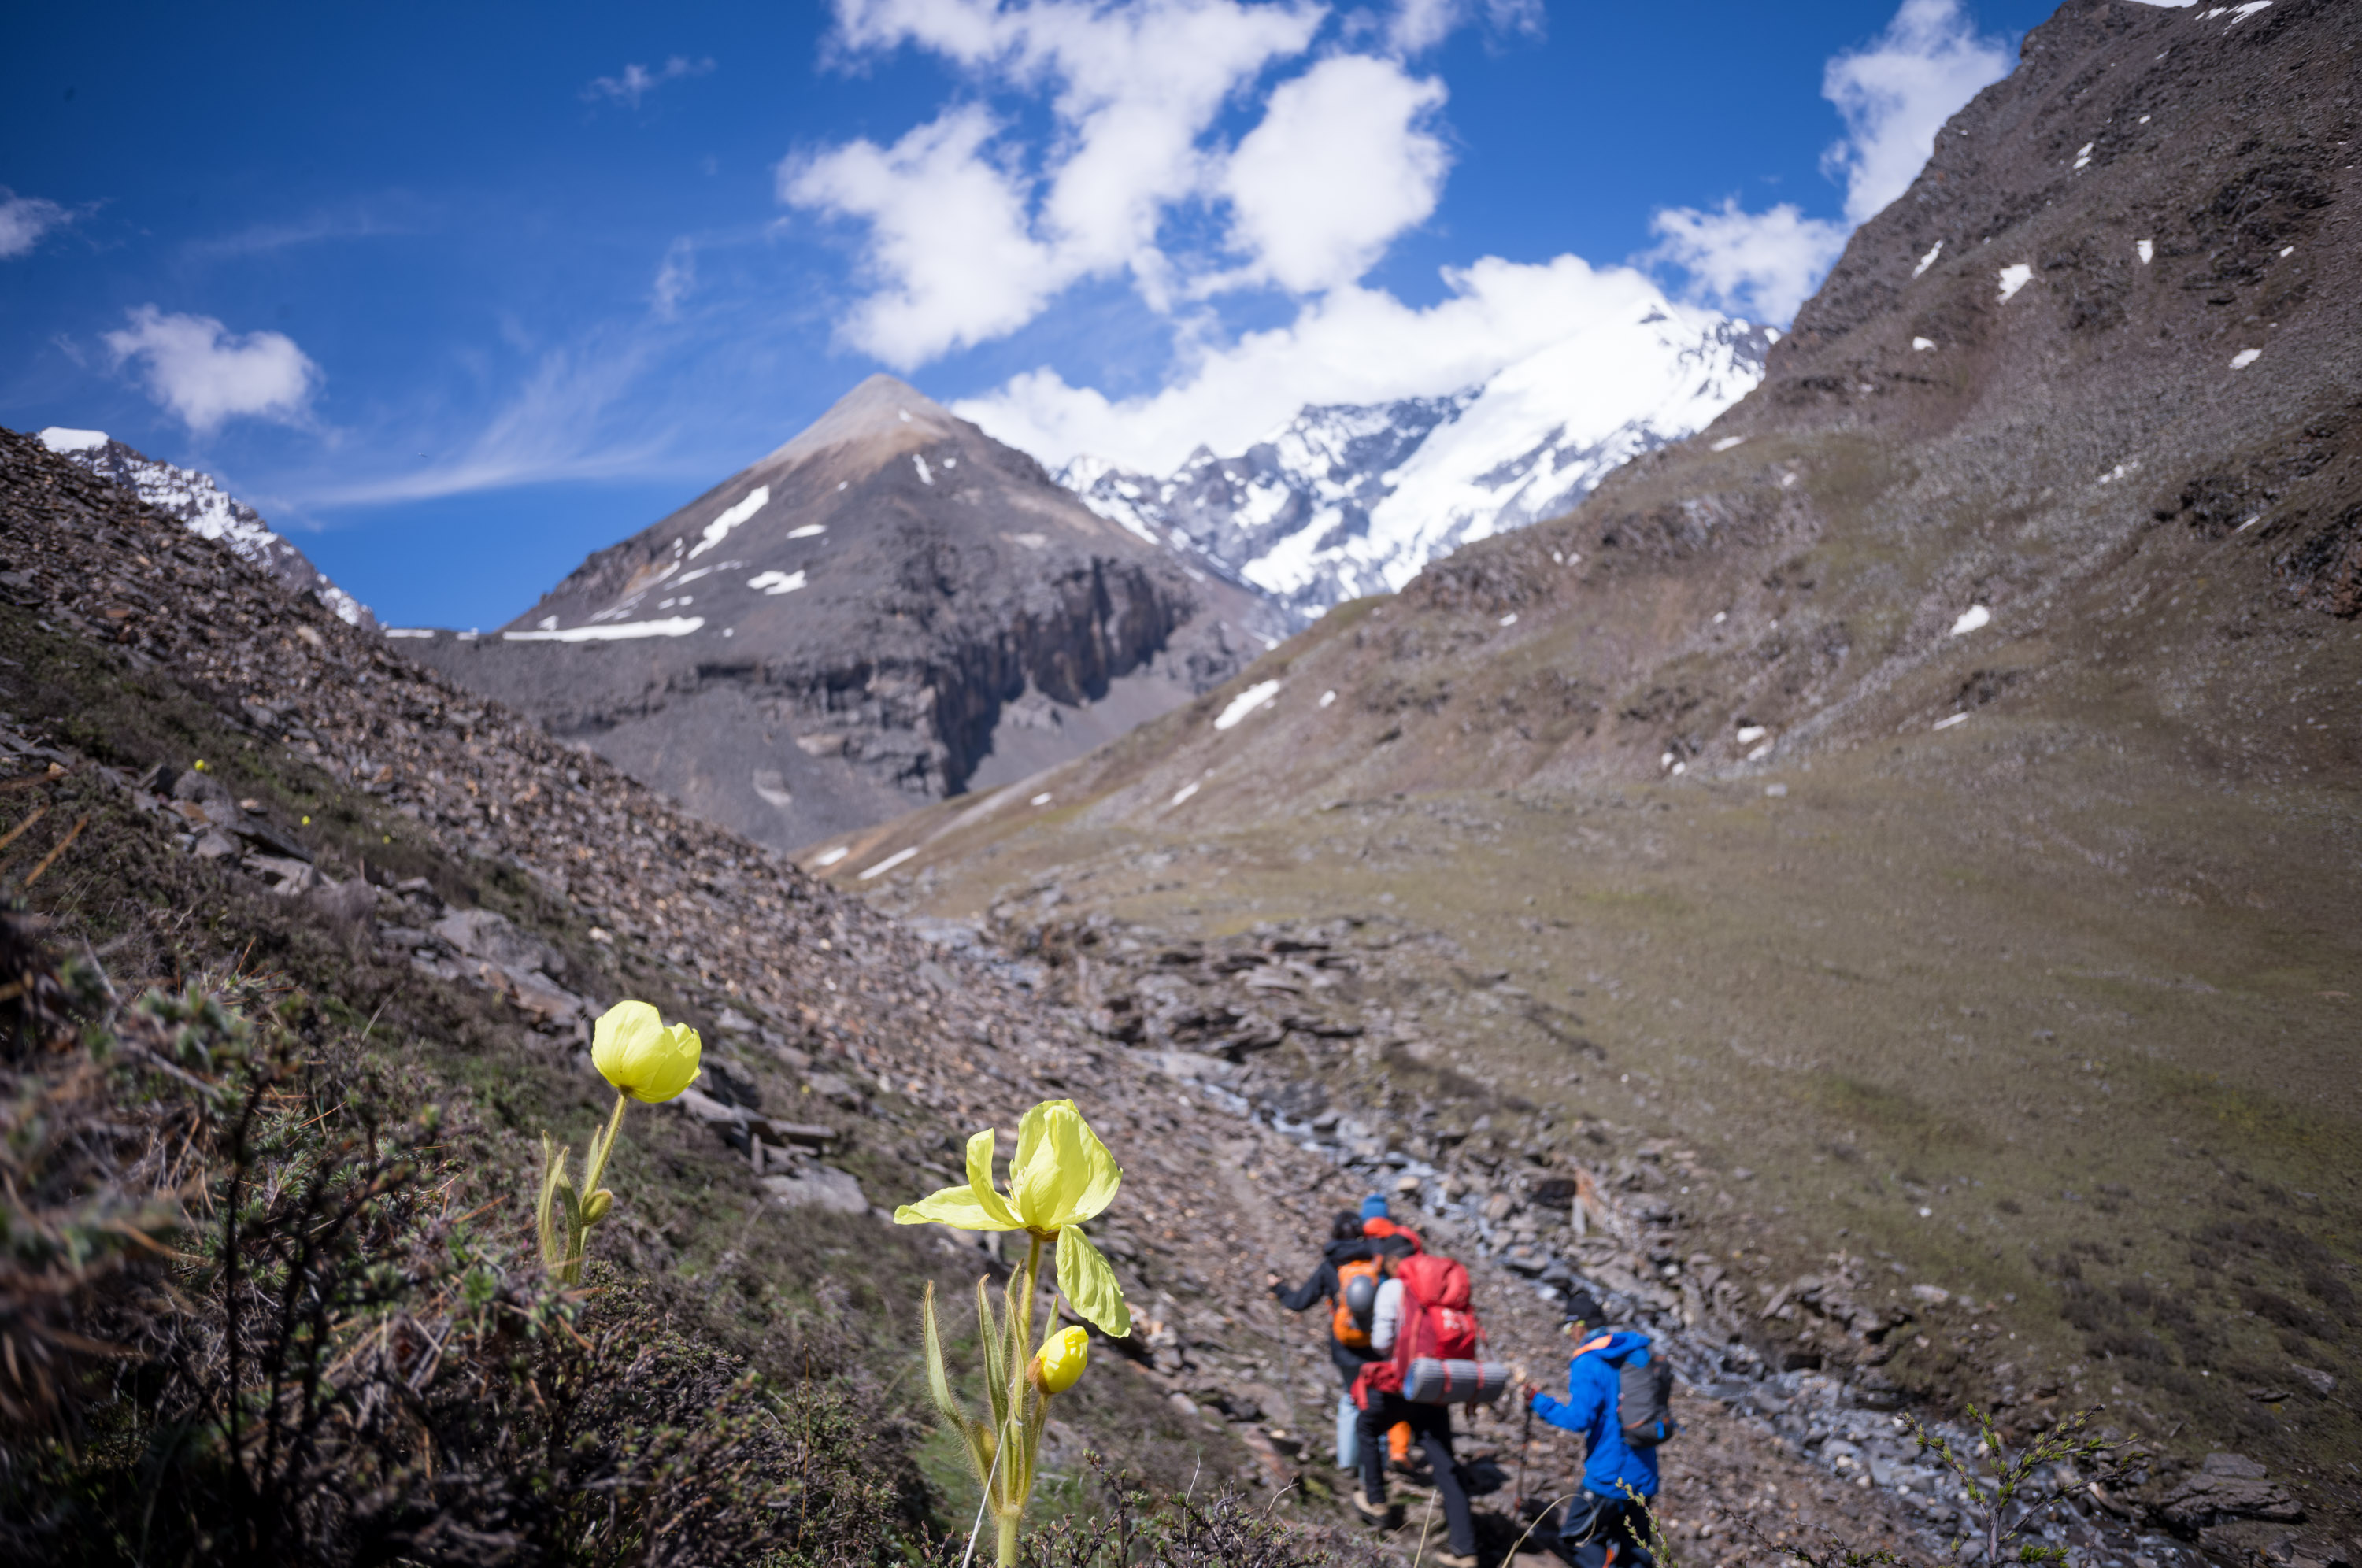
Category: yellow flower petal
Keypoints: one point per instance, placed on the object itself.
(1103, 1175)
(1034, 1175)
(634, 1051)
(980, 1178)
(955, 1207)
(1090, 1285)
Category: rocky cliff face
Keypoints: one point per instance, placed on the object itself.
(207, 510)
(1350, 500)
(888, 609)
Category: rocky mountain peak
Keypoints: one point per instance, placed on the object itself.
(889, 608)
(883, 412)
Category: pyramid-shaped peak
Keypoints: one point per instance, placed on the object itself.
(881, 408)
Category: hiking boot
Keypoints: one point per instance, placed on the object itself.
(1376, 1513)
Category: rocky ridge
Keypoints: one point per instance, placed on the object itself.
(208, 511)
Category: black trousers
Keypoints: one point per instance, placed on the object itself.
(1431, 1427)
(1595, 1531)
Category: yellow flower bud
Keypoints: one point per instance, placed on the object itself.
(634, 1051)
(1060, 1363)
(596, 1209)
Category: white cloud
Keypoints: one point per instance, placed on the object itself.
(1352, 344)
(1895, 94)
(949, 246)
(23, 221)
(1419, 25)
(206, 374)
(1762, 265)
(637, 81)
(1336, 170)
(970, 230)
(676, 275)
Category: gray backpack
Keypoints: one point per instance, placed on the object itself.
(1644, 1401)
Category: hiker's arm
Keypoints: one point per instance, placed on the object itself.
(1323, 1284)
(1575, 1413)
(1386, 1316)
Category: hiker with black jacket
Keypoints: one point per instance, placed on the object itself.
(1347, 1281)
(1602, 1526)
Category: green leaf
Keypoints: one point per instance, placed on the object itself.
(996, 1355)
(1092, 1284)
(939, 1383)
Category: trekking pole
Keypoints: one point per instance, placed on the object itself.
(1525, 1442)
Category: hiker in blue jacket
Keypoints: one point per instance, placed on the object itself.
(1601, 1525)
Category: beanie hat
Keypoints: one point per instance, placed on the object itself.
(1374, 1208)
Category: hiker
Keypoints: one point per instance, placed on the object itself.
(1378, 1224)
(1421, 1312)
(1391, 1241)
(1612, 1384)
(1348, 1279)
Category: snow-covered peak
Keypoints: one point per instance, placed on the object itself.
(207, 510)
(58, 438)
(1346, 500)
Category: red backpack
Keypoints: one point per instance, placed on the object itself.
(1437, 1324)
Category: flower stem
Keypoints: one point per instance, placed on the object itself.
(1007, 1524)
(595, 1161)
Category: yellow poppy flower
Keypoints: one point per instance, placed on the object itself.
(1060, 1363)
(1060, 1176)
(634, 1051)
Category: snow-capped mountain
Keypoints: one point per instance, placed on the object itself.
(210, 512)
(1346, 499)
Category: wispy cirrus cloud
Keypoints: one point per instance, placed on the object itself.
(635, 83)
(24, 220)
(571, 418)
(375, 218)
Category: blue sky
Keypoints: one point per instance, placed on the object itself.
(456, 295)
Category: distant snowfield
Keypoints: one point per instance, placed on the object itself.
(1348, 499)
(676, 626)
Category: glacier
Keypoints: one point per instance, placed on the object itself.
(1347, 500)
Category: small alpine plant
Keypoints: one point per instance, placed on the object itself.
(1060, 1176)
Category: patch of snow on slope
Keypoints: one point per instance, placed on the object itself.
(1246, 702)
(2015, 277)
(719, 529)
(675, 626)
